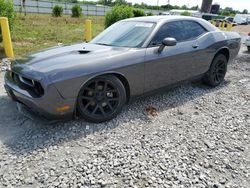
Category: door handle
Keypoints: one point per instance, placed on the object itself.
(195, 46)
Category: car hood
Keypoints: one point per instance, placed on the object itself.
(65, 58)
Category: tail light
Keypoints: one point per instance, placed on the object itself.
(249, 34)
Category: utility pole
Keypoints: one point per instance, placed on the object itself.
(158, 6)
(206, 6)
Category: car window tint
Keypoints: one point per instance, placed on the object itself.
(191, 30)
(168, 30)
(180, 30)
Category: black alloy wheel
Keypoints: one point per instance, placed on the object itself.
(101, 99)
(217, 71)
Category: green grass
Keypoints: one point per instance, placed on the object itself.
(35, 32)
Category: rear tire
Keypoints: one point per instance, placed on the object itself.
(248, 48)
(101, 99)
(217, 71)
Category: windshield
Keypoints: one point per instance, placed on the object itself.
(125, 34)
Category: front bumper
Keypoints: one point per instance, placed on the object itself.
(248, 41)
(45, 106)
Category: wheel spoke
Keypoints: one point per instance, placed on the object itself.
(221, 70)
(105, 86)
(113, 99)
(87, 105)
(220, 74)
(95, 109)
(221, 64)
(112, 90)
(102, 110)
(87, 98)
(90, 89)
(217, 78)
(96, 85)
(110, 106)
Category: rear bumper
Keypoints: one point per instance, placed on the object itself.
(45, 106)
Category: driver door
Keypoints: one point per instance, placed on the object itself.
(174, 63)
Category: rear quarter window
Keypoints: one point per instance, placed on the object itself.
(192, 30)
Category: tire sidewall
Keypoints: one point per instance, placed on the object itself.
(208, 77)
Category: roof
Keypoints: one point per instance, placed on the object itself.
(163, 19)
(180, 11)
(160, 18)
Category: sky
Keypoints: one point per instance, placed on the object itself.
(235, 4)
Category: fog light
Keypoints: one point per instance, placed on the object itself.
(63, 108)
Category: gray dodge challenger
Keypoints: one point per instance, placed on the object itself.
(130, 58)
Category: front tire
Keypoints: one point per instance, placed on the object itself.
(101, 99)
(217, 71)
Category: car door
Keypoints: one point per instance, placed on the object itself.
(175, 63)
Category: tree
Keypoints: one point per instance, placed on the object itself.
(7, 10)
(184, 7)
(119, 12)
(186, 13)
(228, 11)
(106, 2)
(245, 11)
(195, 7)
(120, 2)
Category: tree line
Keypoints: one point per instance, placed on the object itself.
(228, 11)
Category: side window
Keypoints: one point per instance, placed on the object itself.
(180, 30)
(171, 29)
(191, 30)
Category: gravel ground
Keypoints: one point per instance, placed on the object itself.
(195, 137)
(243, 29)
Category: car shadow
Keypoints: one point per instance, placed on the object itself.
(21, 135)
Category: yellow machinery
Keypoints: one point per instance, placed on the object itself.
(222, 25)
(7, 44)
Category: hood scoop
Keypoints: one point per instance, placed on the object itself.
(83, 51)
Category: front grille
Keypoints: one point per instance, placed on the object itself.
(34, 88)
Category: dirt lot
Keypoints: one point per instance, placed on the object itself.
(200, 137)
(242, 29)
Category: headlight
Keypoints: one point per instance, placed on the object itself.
(6, 65)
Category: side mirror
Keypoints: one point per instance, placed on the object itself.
(167, 42)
